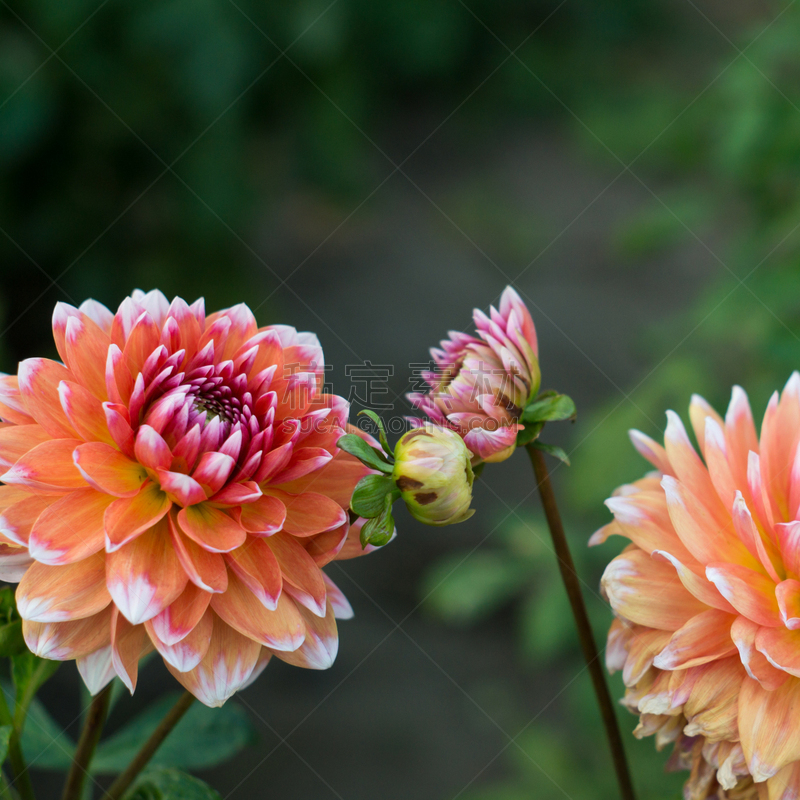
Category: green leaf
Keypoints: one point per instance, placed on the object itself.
(357, 447)
(203, 738)
(43, 742)
(368, 498)
(553, 450)
(28, 672)
(381, 431)
(530, 432)
(463, 589)
(11, 641)
(379, 531)
(5, 735)
(170, 784)
(550, 409)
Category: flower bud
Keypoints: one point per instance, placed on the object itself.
(433, 473)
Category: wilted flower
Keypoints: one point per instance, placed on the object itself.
(708, 598)
(175, 484)
(432, 470)
(481, 385)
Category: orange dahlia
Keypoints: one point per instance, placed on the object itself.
(175, 484)
(707, 597)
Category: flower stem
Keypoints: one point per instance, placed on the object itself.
(173, 717)
(590, 652)
(90, 736)
(22, 778)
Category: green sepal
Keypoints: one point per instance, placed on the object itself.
(379, 531)
(553, 450)
(367, 455)
(530, 432)
(369, 495)
(551, 408)
(381, 432)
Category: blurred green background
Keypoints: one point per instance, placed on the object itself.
(372, 171)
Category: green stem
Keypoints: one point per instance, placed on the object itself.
(90, 736)
(590, 652)
(19, 768)
(173, 717)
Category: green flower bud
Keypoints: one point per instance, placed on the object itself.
(433, 473)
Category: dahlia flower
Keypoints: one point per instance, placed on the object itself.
(482, 384)
(707, 597)
(434, 476)
(175, 484)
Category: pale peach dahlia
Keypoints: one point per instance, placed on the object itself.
(175, 484)
(707, 597)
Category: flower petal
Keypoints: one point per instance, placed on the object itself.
(309, 513)
(105, 468)
(18, 519)
(97, 669)
(151, 449)
(341, 607)
(17, 440)
(129, 643)
(145, 575)
(38, 386)
(743, 633)
(41, 596)
(187, 653)
(85, 412)
(256, 566)
(781, 648)
(211, 528)
(768, 723)
(206, 570)
(47, 468)
(702, 588)
(181, 488)
(281, 629)
(321, 644)
(86, 349)
(64, 641)
(704, 638)
(264, 517)
(336, 479)
(70, 529)
(302, 577)
(179, 618)
(749, 592)
(128, 517)
(225, 668)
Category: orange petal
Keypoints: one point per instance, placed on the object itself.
(321, 644)
(14, 562)
(119, 381)
(309, 513)
(17, 520)
(281, 629)
(142, 340)
(749, 592)
(226, 667)
(16, 440)
(788, 534)
(341, 607)
(704, 638)
(70, 529)
(181, 488)
(327, 546)
(768, 724)
(127, 517)
(86, 349)
(651, 450)
(38, 385)
(702, 588)
(178, 619)
(97, 669)
(257, 567)
(336, 479)
(12, 404)
(712, 702)
(747, 530)
(108, 470)
(352, 546)
(85, 412)
(716, 455)
(786, 784)
(641, 650)
(781, 648)
(700, 412)
(63, 641)
(47, 468)
(206, 570)
(302, 577)
(211, 528)
(743, 633)
(129, 643)
(705, 538)
(145, 575)
(187, 653)
(787, 594)
(264, 517)
(71, 591)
